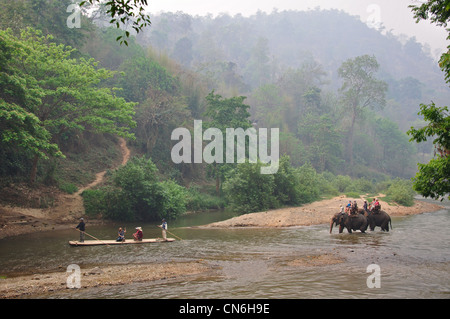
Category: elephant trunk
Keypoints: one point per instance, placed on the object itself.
(331, 226)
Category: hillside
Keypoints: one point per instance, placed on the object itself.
(69, 97)
(227, 49)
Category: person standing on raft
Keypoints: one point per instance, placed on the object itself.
(163, 226)
(81, 227)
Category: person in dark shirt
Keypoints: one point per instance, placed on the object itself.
(81, 227)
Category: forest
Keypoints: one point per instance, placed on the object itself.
(343, 96)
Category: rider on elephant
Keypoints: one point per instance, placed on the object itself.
(377, 206)
(354, 208)
(366, 209)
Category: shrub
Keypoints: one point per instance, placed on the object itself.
(197, 200)
(248, 190)
(68, 188)
(94, 202)
(174, 200)
(307, 184)
(342, 183)
(136, 194)
(401, 192)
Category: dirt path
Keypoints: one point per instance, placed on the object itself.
(67, 209)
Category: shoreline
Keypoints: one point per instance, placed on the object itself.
(43, 283)
(315, 213)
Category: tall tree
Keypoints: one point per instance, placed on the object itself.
(360, 90)
(67, 94)
(432, 180)
(225, 113)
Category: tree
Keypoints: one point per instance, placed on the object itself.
(122, 12)
(438, 12)
(19, 95)
(360, 90)
(225, 113)
(66, 95)
(432, 180)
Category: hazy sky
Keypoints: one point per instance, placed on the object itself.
(394, 14)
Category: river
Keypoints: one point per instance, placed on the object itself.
(412, 260)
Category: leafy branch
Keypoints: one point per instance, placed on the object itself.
(124, 11)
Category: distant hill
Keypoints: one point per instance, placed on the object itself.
(292, 37)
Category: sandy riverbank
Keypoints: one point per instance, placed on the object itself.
(311, 214)
(37, 285)
(315, 213)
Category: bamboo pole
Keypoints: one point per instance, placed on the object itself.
(93, 237)
(170, 232)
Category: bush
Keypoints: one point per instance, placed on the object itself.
(341, 183)
(68, 188)
(94, 202)
(197, 201)
(401, 192)
(173, 201)
(248, 190)
(308, 184)
(136, 194)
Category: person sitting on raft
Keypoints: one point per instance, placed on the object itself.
(138, 235)
(121, 234)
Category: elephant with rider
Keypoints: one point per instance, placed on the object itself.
(351, 222)
(361, 221)
(379, 219)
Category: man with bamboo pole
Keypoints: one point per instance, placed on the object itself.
(81, 227)
(164, 229)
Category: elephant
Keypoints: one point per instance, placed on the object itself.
(353, 222)
(380, 219)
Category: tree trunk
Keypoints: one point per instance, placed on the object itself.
(350, 146)
(34, 169)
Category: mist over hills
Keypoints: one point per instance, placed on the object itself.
(288, 39)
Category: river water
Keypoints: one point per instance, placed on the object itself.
(412, 260)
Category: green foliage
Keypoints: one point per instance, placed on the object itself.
(401, 192)
(438, 12)
(122, 13)
(360, 89)
(137, 194)
(94, 202)
(432, 180)
(198, 201)
(68, 188)
(223, 113)
(174, 200)
(142, 74)
(46, 94)
(248, 190)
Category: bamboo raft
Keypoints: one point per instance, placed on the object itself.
(114, 242)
